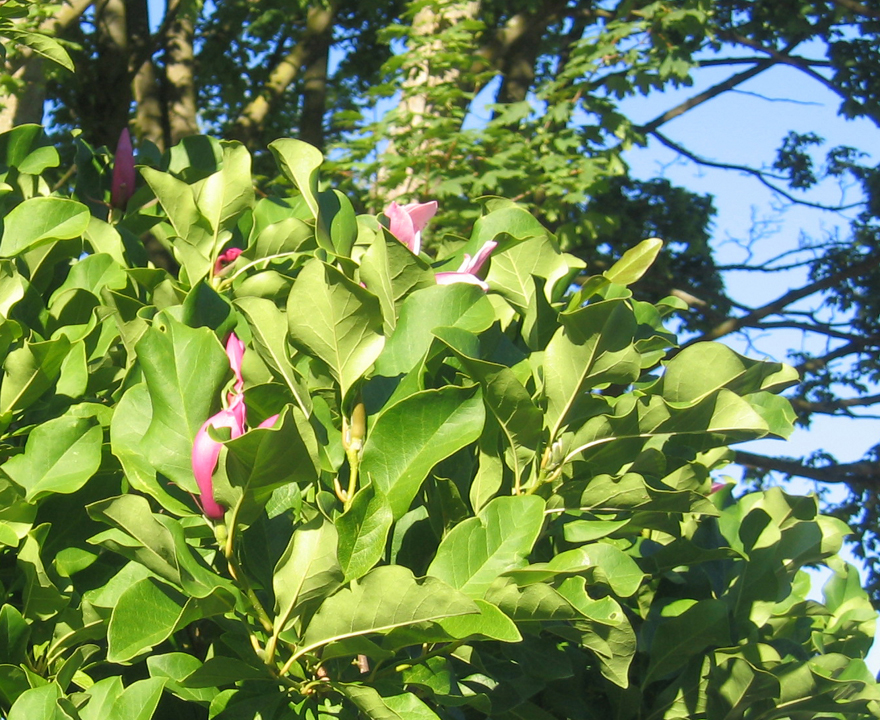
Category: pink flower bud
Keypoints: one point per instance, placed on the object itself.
(122, 187)
(227, 257)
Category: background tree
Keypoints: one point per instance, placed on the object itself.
(555, 74)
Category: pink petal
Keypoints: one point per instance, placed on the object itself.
(122, 185)
(235, 353)
(476, 263)
(225, 258)
(401, 226)
(205, 454)
(269, 421)
(448, 278)
(421, 213)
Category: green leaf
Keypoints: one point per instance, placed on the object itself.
(599, 563)
(336, 320)
(42, 44)
(30, 371)
(336, 224)
(458, 305)
(183, 368)
(268, 327)
(223, 196)
(39, 702)
(594, 346)
(410, 437)
(703, 368)
(149, 612)
(138, 701)
(174, 667)
(391, 272)
(41, 598)
(491, 623)
(688, 632)
(387, 597)
(505, 398)
(41, 220)
(300, 161)
(264, 459)
(130, 422)
(402, 706)
(176, 198)
(155, 541)
(307, 571)
(363, 530)
(475, 552)
(511, 271)
(634, 262)
(14, 635)
(60, 456)
(221, 670)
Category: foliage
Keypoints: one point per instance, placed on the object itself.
(454, 99)
(450, 503)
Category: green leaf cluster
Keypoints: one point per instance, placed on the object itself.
(448, 503)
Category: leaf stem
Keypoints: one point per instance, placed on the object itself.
(237, 573)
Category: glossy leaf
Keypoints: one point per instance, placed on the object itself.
(413, 435)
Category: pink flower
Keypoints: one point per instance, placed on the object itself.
(227, 257)
(467, 273)
(122, 186)
(406, 222)
(206, 450)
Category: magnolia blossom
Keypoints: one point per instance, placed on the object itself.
(227, 257)
(467, 273)
(122, 187)
(206, 450)
(406, 222)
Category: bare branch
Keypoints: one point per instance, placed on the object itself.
(752, 60)
(706, 95)
(732, 325)
(751, 171)
(815, 364)
(843, 473)
(818, 328)
(834, 406)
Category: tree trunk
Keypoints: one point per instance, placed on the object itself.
(180, 89)
(311, 126)
(106, 104)
(27, 68)
(423, 78)
(311, 50)
(149, 116)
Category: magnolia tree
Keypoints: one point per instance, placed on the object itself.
(310, 472)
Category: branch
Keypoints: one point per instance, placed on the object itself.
(732, 325)
(832, 406)
(846, 473)
(818, 328)
(64, 17)
(708, 94)
(752, 60)
(751, 171)
(856, 7)
(154, 42)
(815, 364)
(250, 122)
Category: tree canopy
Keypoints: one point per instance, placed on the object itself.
(267, 450)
